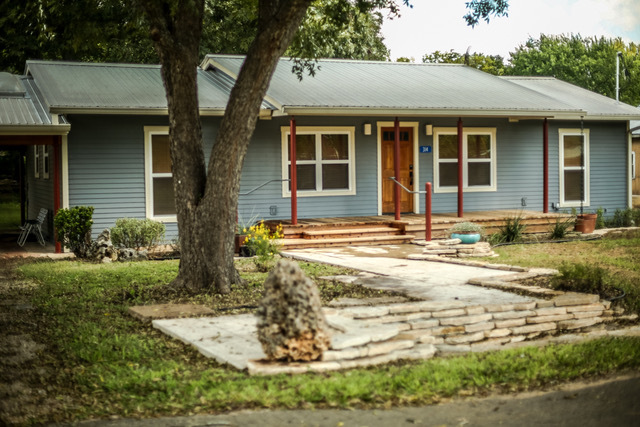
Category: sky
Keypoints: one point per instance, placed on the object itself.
(439, 25)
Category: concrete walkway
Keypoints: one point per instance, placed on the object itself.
(365, 336)
(432, 281)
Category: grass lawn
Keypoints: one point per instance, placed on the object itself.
(9, 211)
(620, 257)
(99, 361)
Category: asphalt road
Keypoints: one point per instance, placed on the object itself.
(611, 402)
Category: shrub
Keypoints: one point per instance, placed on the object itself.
(512, 229)
(585, 278)
(466, 227)
(262, 242)
(621, 218)
(561, 228)
(137, 233)
(600, 221)
(73, 228)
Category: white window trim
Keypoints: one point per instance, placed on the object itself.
(149, 131)
(46, 166)
(493, 160)
(319, 130)
(587, 188)
(36, 161)
(416, 160)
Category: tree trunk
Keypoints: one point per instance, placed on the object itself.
(207, 201)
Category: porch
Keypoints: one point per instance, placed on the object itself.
(385, 230)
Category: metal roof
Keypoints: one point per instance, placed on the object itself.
(368, 86)
(90, 87)
(19, 104)
(596, 106)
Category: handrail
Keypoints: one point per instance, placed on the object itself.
(427, 205)
(393, 178)
(262, 185)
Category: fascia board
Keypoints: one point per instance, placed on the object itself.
(364, 111)
(35, 130)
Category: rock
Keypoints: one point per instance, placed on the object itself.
(102, 249)
(128, 254)
(291, 324)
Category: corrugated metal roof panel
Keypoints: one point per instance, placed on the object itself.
(389, 85)
(22, 109)
(71, 85)
(594, 104)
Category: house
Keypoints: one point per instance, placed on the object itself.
(635, 162)
(535, 142)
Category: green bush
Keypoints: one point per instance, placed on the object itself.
(137, 233)
(585, 278)
(512, 229)
(561, 228)
(621, 218)
(600, 221)
(73, 229)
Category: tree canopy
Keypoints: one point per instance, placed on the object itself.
(112, 31)
(493, 64)
(586, 62)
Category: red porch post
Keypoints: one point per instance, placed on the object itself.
(545, 167)
(427, 211)
(460, 183)
(293, 172)
(56, 183)
(396, 168)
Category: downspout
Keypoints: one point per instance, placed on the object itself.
(460, 184)
(293, 171)
(545, 167)
(396, 167)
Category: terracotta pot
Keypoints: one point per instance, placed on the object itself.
(586, 223)
(239, 242)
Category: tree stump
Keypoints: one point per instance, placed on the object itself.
(291, 324)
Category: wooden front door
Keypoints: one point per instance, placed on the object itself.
(406, 178)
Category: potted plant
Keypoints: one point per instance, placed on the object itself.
(467, 232)
(586, 222)
(243, 227)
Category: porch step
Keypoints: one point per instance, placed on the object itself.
(340, 232)
(534, 225)
(346, 241)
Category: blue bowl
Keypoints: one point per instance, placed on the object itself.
(467, 238)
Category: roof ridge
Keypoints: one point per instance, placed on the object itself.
(91, 64)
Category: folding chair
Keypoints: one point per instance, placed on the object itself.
(35, 226)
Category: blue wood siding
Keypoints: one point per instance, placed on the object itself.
(106, 167)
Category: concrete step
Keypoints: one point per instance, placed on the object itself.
(350, 232)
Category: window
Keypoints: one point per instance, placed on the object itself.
(36, 161)
(45, 161)
(478, 159)
(574, 167)
(324, 161)
(160, 199)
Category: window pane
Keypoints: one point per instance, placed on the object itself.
(479, 174)
(163, 199)
(335, 147)
(572, 150)
(448, 146)
(160, 154)
(305, 147)
(335, 177)
(479, 146)
(306, 177)
(448, 174)
(572, 186)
